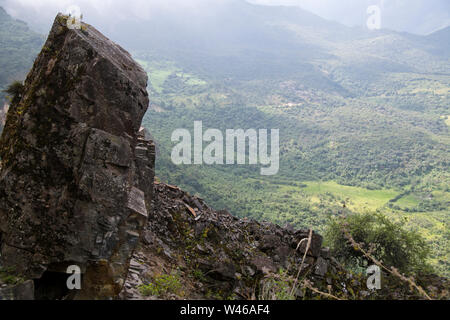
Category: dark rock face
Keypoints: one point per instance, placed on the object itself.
(22, 291)
(76, 182)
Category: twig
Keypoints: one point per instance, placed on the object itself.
(308, 285)
(303, 260)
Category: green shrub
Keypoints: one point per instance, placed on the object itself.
(7, 277)
(388, 242)
(199, 275)
(15, 91)
(161, 285)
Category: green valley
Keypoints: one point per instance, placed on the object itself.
(366, 153)
(363, 115)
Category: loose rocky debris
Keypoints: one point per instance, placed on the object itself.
(21, 291)
(216, 255)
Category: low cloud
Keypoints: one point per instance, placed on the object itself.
(417, 16)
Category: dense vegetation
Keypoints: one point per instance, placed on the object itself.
(387, 241)
(18, 49)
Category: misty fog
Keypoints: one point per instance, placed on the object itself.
(414, 16)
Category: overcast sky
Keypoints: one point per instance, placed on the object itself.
(415, 16)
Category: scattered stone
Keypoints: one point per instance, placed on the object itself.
(22, 291)
(325, 253)
(321, 267)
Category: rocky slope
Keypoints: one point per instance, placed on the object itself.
(191, 251)
(216, 255)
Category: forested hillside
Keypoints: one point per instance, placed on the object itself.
(18, 49)
(363, 117)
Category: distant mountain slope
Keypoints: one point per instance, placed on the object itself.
(18, 48)
(441, 40)
(442, 35)
(243, 41)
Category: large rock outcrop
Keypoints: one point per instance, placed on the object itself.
(76, 180)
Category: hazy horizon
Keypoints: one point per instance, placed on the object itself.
(414, 16)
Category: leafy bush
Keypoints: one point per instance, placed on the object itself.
(161, 285)
(387, 241)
